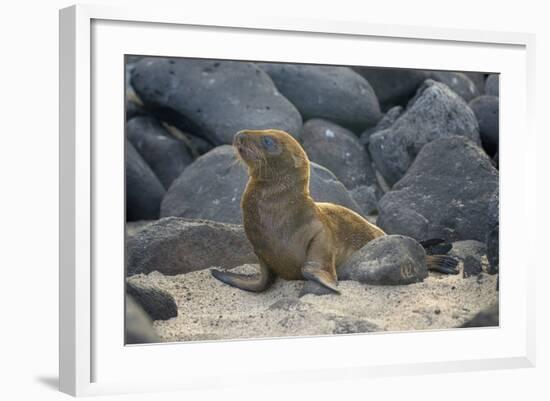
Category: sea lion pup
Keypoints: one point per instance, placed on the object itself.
(293, 236)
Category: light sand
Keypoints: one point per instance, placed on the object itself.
(211, 310)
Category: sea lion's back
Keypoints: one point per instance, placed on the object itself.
(350, 230)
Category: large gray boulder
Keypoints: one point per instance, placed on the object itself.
(445, 194)
(211, 188)
(393, 86)
(435, 112)
(387, 260)
(339, 150)
(337, 94)
(174, 246)
(166, 155)
(144, 191)
(213, 99)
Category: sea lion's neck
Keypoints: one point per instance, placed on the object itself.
(280, 184)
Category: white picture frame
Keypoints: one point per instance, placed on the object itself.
(94, 360)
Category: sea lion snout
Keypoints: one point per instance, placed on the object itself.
(239, 138)
(244, 147)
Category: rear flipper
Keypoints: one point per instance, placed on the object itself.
(442, 263)
(254, 283)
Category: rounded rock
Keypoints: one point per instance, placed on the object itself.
(393, 86)
(387, 260)
(176, 246)
(144, 192)
(337, 94)
(213, 99)
(339, 150)
(212, 186)
(166, 155)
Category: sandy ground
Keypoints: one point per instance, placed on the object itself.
(211, 310)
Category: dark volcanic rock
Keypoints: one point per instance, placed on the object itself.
(445, 194)
(486, 109)
(144, 192)
(387, 260)
(435, 112)
(337, 94)
(196, 145)
(134, 109)
(166, 155)
(472, 267)
(133, 103)
(325, 187)
(393, 86)
(139, 327)
(493, 250)
(339, 150)
(385, 122)
(213, 99)
(485, 318)
(129, 89)
(132, 227)
(458, 82)
(366, 197)
(492, 240)
(493, 210)
(470, 254)
(478, 78)
(212, 186)
(158, 304)
(492, 85)
(175, 245)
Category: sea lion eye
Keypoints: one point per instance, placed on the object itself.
(269, 143)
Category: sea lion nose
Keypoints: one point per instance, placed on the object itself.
(239, 137)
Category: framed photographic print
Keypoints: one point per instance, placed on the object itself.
(247, 191)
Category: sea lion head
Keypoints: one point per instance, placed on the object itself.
(269, 153)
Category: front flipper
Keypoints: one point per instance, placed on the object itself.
(319, 266)
(254, 283)
(313, 271)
